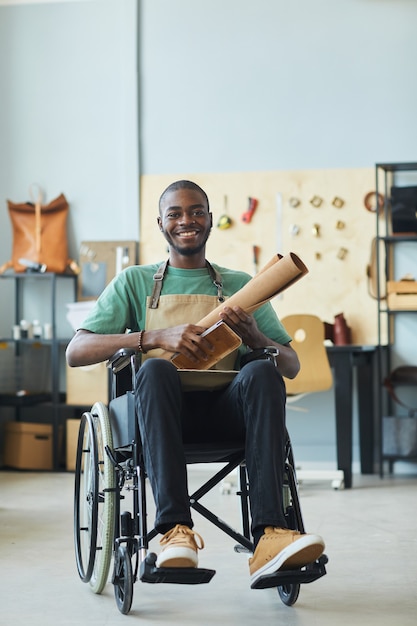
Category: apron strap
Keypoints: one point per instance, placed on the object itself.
(217, 281)
(159, 276)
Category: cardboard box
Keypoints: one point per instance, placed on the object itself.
(402, 286)
(100, 261)
(72, 429)
(402, 301)
(88, 384)
(28, 446)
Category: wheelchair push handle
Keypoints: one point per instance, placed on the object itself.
(121, 359)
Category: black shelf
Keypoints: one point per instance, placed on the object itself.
(54, 400)
(41, 341)
(396, 167)
(36, 275)
(386, 272)
(398, 238)
(30, 399)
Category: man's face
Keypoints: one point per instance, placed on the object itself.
(185, 221)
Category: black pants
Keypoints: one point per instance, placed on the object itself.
(250, 409)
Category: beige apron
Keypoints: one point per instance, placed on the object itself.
(176, 309)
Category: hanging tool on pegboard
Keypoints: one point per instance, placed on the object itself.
(247, 216)
(256, 250)
(225, 220)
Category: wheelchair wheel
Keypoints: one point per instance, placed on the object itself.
(123, 579)
(86, 498)
(106, 499)
(94, 499)
(289, 593)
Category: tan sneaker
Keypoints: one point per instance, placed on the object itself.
(283, 549)
(179, 548)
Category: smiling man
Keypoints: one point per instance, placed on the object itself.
(186, 227)
(157, 304)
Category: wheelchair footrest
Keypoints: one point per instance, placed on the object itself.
(290, 577)
(149, 573)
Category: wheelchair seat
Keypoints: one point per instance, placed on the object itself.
(110, 475)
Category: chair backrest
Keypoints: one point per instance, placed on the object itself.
(308, 335)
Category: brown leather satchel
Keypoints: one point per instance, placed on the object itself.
(40, 235)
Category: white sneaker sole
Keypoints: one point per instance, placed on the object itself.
(305, 550)
(177, 557)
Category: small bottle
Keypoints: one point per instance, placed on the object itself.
(342, 332)
(36, 329)
(24, 329)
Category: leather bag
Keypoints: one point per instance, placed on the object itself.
(39, 235)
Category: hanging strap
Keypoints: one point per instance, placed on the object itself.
(159, 276)
(372, 270)
(38, 216)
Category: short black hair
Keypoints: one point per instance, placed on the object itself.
(183, 184)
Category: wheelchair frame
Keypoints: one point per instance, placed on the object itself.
(110, 467)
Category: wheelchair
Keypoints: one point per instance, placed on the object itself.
(110, 518)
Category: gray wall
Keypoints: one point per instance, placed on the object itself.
(224, 86)
(228, 85)
(68, 113)
(69, 117)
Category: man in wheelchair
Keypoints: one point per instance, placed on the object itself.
(149, 309)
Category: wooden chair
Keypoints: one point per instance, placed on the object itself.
(308, 333)
(315, 374)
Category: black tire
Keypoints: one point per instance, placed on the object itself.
(289, 593)
(123, 579)
(106, 498)
(86, 498)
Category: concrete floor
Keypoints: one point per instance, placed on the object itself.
(371, 538)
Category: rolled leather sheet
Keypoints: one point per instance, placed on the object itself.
(277, 275)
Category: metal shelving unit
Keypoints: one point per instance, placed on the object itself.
(52, 397)
(389, 243)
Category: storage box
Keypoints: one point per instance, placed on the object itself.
(402, 301)
(88, 384)
(28, 446)
(402, 286)
(71, 443)
(78, 311)
(402, 294)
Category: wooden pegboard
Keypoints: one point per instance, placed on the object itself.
(334, 284)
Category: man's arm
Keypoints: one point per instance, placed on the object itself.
(86, 348)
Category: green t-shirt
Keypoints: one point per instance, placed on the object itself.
(122, 305)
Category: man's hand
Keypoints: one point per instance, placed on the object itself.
(244, 325)
(187, 340)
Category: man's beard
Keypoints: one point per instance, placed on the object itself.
(186, 251)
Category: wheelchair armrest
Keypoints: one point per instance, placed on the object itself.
(120, 359)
